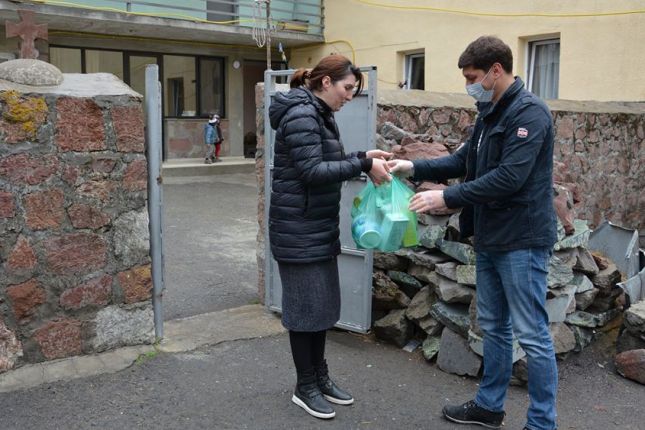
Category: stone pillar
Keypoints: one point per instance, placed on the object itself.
(74, 247)
(259, 171)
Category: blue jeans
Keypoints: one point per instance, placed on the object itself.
(511, 296)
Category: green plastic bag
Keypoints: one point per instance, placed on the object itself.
(381, 218)
(366, 219)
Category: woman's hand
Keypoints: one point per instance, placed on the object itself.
(379, 172)
(401, 168)
(377, 153)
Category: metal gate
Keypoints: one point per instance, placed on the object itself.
(357, 124)
(155, 190)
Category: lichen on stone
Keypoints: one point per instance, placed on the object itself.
(29, 112)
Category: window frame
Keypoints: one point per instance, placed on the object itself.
(408, 68)
(126, 53)
(530, 59)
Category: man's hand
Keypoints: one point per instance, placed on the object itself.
(377, 153)
(379, 172)
(428, 201)
(401, 168)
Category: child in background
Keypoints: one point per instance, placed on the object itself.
(213, 139)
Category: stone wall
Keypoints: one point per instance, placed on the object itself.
(259, 172)
(74, 249)
(601, 146)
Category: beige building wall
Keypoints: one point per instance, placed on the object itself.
(601, 57)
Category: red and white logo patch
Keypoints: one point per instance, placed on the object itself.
(522, 132)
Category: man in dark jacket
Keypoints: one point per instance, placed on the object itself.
(507, 204)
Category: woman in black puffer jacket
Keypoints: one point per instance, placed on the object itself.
(310, 165)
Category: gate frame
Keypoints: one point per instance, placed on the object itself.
(153, 137)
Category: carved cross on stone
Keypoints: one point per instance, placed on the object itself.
(28, 31)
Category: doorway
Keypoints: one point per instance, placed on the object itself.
(252, 73)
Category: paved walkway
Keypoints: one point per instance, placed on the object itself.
(244, 380)
(230, 366)
(209, 236)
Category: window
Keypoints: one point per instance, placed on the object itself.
(543, 72)
(68, 60)
(136, 70)
(415, 71)
(104, 62)
(217, 11)
(175, 98)
(211, 86)
(192, 86)
(179, 74)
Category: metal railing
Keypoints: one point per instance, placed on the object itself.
(295, 16)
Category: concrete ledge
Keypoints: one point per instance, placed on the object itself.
(75, 18)
(71, 368)
(196, 166)
(418, 98)
(78, 85)
(186, 334)
(245, 322)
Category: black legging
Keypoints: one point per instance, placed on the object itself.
(308, 349)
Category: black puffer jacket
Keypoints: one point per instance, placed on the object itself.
(310, 165)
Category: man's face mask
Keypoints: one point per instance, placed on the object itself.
(478, 92)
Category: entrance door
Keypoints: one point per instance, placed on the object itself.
(253, 73)
(357, 124)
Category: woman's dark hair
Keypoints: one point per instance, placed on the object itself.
(486, 51)
(337, 67)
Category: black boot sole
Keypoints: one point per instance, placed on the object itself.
(310, 411)
(338, 401)
(490, 426)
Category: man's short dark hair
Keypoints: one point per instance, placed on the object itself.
(486, 51)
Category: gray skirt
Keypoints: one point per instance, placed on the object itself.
(310, 295)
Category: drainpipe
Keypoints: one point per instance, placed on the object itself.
(155, 190)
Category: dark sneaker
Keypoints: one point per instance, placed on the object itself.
(470, 413)
(329, 389)
(309, 398)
